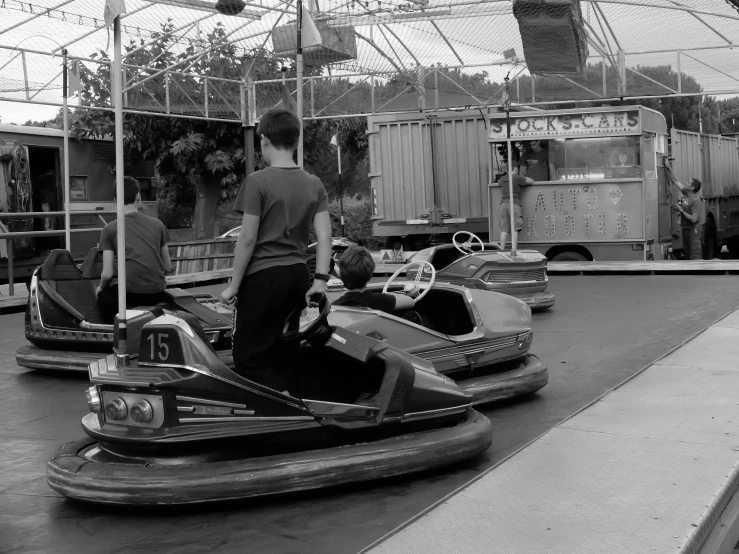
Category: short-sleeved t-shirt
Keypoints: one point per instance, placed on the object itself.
(286, 200)
(692, 205)
(145, 237)
(518, 181)
(536, 164)
(368, 299)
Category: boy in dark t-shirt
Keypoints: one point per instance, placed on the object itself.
(270, 278)
(147, 257)
(356, 268)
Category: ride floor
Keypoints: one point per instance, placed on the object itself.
(602, 330)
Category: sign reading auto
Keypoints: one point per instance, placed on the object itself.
(542, 125)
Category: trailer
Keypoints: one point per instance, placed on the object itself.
(606, 195)
(428, 176)
(32, 180)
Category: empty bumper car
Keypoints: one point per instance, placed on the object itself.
(485, 266)
(66, 329)
(177, 426)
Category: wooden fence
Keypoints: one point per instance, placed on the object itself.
(195, 256)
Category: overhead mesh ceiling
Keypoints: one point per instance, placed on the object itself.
(470, 46)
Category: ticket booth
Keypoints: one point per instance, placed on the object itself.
(599, 191)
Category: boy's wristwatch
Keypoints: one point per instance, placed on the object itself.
(321, 277)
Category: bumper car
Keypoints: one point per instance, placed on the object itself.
(66, 330)
(478, 339)
(485, 266)
(175, 425)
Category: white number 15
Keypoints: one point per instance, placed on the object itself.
(163, 351)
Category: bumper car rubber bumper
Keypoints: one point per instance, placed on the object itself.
(538, 300)
(528, 377)
(76, 476)
(33, 357)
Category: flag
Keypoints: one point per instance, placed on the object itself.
(309, 32)
(73, 79)
(334, 141)
(113, 8)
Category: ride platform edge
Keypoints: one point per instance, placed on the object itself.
(651, 466)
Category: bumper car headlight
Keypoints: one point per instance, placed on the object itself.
(93, 400)
(116, 410)
(524, 340)
(142, 412)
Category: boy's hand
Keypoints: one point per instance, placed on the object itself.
(318, 287)
(229, 295)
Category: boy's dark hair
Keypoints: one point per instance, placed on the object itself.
(281, 127)
(357, 267)
(130, 189)
(696, 184)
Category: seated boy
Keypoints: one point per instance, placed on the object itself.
(147, 257)
(356, 268)
(270, 276)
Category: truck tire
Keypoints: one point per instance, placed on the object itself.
(569, 256)
(710, 244)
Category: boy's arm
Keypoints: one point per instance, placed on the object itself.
(671, 176)
(166, 260)
(322, 227)
(108, 270)
(242, 254)
(692, 217)
(403, 302)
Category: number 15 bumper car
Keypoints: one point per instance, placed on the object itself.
(177, 426)
(67, 331)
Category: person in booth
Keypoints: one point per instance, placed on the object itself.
(147, 257)
(535, 164)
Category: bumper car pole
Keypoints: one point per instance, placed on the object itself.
(120, 337)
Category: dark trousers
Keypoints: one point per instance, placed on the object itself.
(692, 242)
(108, 301)
(266, 299)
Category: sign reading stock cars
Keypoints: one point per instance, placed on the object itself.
(543, 125)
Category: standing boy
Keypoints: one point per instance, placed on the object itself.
(690, 207)
(504, 223)
(270, 277)
(534, 163)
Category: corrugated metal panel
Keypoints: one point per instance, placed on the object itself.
(686, 149)
(402, 162)
(722, 166)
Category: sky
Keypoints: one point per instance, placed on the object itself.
(16, 112)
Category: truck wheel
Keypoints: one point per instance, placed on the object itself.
(710, 244)
(569, 256)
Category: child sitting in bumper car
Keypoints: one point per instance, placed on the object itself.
(356, 268)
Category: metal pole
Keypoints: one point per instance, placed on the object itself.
(507, 105)
(341, 183)
(299, 67)
(65, 118)
(121, 346)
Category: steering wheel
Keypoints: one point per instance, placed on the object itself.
(466, 247)
(316, 328)
(414, 287)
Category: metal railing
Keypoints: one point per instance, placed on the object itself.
(10, 236)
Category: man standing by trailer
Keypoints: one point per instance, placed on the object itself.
(690, 207)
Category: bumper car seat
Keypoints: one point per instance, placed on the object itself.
(63, 284)
(92, 267)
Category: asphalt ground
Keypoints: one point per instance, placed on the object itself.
(601, 330)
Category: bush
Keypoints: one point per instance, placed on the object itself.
(357, 220)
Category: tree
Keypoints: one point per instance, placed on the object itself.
(197, 161)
